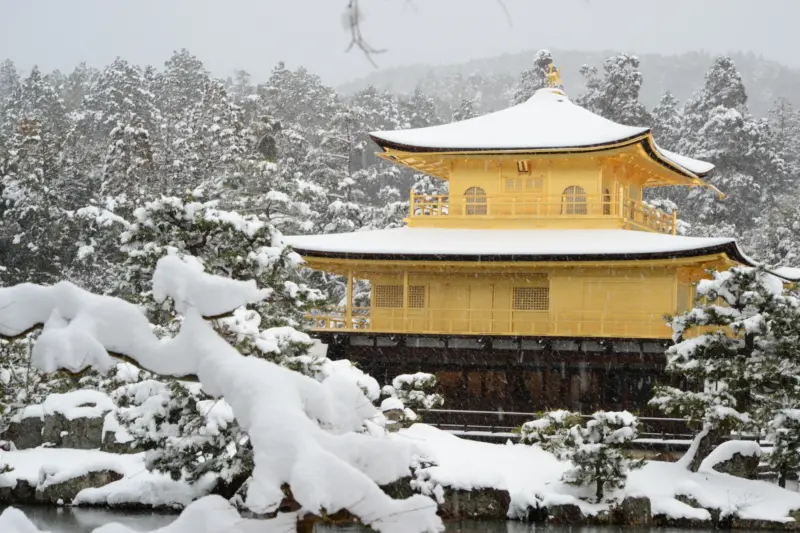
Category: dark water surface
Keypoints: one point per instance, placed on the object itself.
(84, 520)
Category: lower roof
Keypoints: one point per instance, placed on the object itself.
(511, 245)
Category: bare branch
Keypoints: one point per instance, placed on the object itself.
(353, 20)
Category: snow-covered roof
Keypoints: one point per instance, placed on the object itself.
(481, 244)
(787, 273)
(693, 165)
(548, 120)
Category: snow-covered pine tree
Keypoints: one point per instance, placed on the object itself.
(411, 393)
(784, 121)
(533, 78)
(9, 80)
(128, 168)
(615, 96)
(77, 85)
(420, 109)
(34, 182)
(718, 128)
(240, 247)
(465, 110)
(595, 449)
(667, 120)
(332, 167)
(784, 433)
(734, 352)
(775, 239)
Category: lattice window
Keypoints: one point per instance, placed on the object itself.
(389, 296)
(531, 298)
(524, 166)
(416, 296)
(573, 201)
(512, 184)
(476, 201)
(533, 184)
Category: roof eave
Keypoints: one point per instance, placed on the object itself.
(730, 249)
(387, 144)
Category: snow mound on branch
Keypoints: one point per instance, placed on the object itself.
(78, 404)
(304, 433)
(186, 283)
(726, 451)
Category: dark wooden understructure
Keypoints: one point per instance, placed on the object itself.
(515, 373)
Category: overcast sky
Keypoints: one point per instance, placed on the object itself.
(256, 34)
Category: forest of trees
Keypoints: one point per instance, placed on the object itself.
(294, 152)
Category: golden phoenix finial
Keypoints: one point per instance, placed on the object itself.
(554, 77)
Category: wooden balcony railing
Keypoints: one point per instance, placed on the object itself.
(639, 215)
(492, 322)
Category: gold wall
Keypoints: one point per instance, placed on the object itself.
(593, 302)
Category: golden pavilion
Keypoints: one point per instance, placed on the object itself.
(542, 279)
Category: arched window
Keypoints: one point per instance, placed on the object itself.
(606, 202)
(573, 201)
(475, 201)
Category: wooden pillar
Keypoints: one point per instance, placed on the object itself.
(674, 221)
(622, 202)
(348, 309)
(405, 300)
(411, 203)
(601, 203)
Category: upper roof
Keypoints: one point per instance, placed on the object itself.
(510, 245)
(547, 121)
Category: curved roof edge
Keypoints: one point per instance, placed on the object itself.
(386, 143)
(730, 249)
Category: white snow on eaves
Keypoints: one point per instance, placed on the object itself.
(443, 242)
(695, 166)
(547, 120)
(787, 273)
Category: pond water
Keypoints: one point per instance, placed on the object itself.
(83, 520)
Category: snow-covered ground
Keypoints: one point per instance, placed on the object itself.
(42, 467)
(533, 477)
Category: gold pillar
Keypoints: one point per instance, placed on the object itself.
(405, 300)
(674, 222)
(348, 309)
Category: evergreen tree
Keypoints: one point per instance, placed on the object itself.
(784, 433)
(9, 80)
(667, 121)
(421, 110)
(736, 351)
(775, 239)
(77, 85)
(465, 111)
(242, 247)
(615, 96)
(533, 78)
(33, 218)
(596, 449)
(718, 128)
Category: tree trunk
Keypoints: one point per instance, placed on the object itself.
(599, 491)
(703, 443)
(782, 478)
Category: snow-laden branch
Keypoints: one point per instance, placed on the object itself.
(303, 432)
